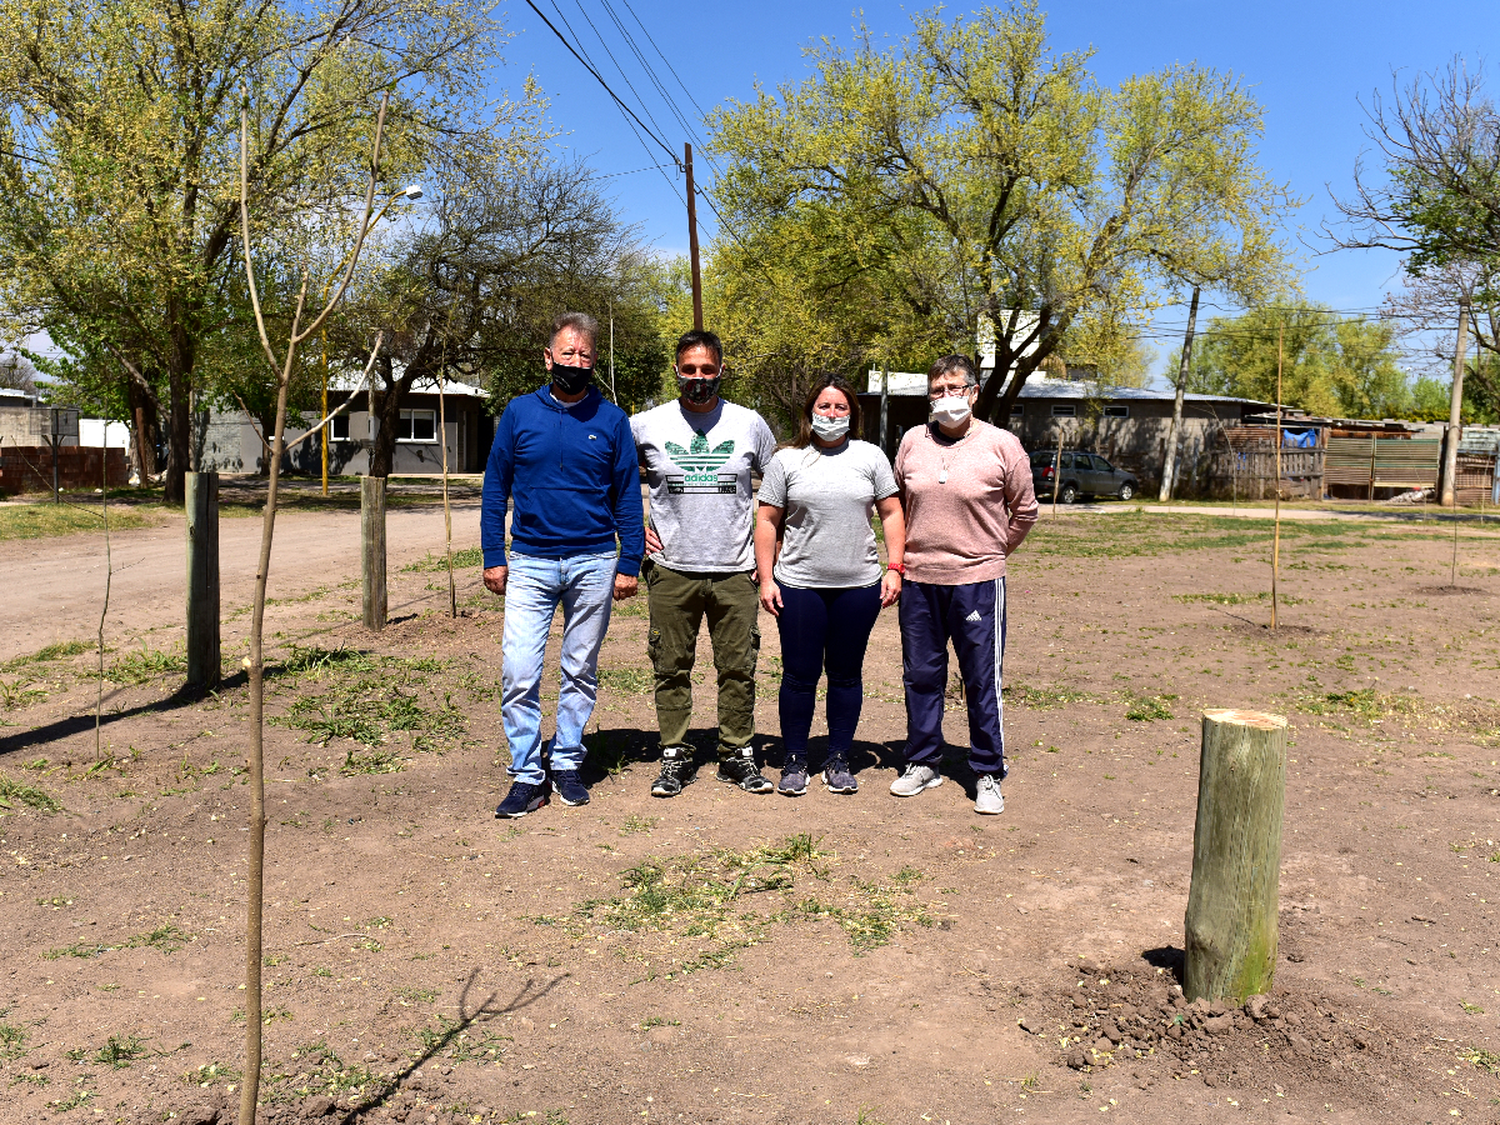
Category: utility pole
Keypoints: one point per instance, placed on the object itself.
(687, 152)
(1449, 496)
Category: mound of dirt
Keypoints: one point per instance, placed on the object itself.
(1112, 1015)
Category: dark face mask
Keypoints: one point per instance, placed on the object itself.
(571, 380)
(697, 391)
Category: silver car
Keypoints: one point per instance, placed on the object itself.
(1083, 474)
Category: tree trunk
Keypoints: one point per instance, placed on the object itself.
(147, 427)
(388, 406)
(179, 422)
(1230, 927)
(1174, 432)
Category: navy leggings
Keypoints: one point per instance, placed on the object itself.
(824, 628)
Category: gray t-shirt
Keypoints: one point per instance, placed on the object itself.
(699, 468)
(828, 497)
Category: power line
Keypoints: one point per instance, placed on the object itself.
(589, 67)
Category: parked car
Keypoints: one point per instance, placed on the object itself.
(1083, 474)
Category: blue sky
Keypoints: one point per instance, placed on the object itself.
(1310, 64)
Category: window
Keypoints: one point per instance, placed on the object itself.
(417, 425)
(1065, 410)
(338, 429)
(1017, 410)
(1067, 460)
(1117, 412)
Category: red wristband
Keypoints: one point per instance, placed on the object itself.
(898, 568)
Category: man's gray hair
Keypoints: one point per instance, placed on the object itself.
(951, 363)
(579, 322)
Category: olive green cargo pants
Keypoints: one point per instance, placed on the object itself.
(679, 602)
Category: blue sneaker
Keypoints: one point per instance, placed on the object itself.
(569, 789)
(838, 777)
(793, 781)
(522, 799)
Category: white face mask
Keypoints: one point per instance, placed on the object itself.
(830, 429)
(952, 410)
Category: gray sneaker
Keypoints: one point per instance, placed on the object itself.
(838, 777)
(989, 801)
(793, 781)
(915, 779)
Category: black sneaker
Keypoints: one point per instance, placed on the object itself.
(569, 789)
(838, 778)
(740, 770)
(793, 781)
(676, 771)
(522, 799)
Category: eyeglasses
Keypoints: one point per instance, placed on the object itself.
(705, 370)
(948, 392)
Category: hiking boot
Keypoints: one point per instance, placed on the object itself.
(793, 781)
(676, 771)
(989, 801)
(522, 799)
(838, 778)
(916, 778)
(569, 789)
(740, 770)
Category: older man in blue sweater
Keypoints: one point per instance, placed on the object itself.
(564, 459)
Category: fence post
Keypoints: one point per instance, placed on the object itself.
(372, 540)
(1230, 928)
(202, 494)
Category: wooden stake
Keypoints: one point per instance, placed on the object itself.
(372, 549)
(447, 510)
(1453, 572)
(1448, 496)
(692, 204)
(1230, 927)
(108, 576)
(201, 496)
(1276, 539)
(1057, 468)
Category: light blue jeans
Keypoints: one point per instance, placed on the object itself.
(584, 586)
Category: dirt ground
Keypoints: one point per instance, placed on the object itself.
(721, 957)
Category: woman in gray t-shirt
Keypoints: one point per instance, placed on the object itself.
(826, 587)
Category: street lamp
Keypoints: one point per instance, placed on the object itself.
(410, 192)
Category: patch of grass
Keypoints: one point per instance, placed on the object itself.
(167, 939)
(418, 995)
(1470, 1009)
(12, 1041)
(453, 1040)
(148, 664)
(45, 520)
(468, 558)
(1040, 698)
(210, 1074)
(629, 681)
(1147, 708)
(20, 693)
(45, 655)
(658, 1021)
(634, 824)
(13, 793)
(120, 1053)
(365, 699)
(1484, 1060)
(77, 1099)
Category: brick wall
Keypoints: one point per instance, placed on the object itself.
(28, 468)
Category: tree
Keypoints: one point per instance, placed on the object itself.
(474, 291)
(1331, 365)
(969, 176)
(119, 208)
(1425, 314)
(17, 373)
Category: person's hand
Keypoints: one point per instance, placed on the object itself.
(770, 597)
(625, 586)
(494, 579)
(653, 542)
(890, 589)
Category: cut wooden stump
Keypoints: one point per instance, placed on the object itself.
(1232, 904)
(372, 549)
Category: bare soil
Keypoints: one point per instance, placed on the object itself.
(723, 957)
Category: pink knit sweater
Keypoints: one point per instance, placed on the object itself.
(968, 505)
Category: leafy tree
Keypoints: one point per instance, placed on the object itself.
(969, 176)
(1331, 365)
(118, 195)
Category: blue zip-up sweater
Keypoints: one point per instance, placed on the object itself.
(571, 473)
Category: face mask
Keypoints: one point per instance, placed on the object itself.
(698, 391)
(830, 429)
(952, 410)
(571, 380)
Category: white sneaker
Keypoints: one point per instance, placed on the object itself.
(989, 801)
(915, 779)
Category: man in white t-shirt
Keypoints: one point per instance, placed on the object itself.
(699, 453)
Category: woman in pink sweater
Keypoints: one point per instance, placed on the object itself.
(967, 495)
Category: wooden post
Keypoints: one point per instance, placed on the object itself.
(1232, 903)
(1057, 467)
(372, 553)
(1276, 540)
(692, 206)
(1448, 494)
(202, 495)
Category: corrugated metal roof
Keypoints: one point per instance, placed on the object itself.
(1044, 386)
